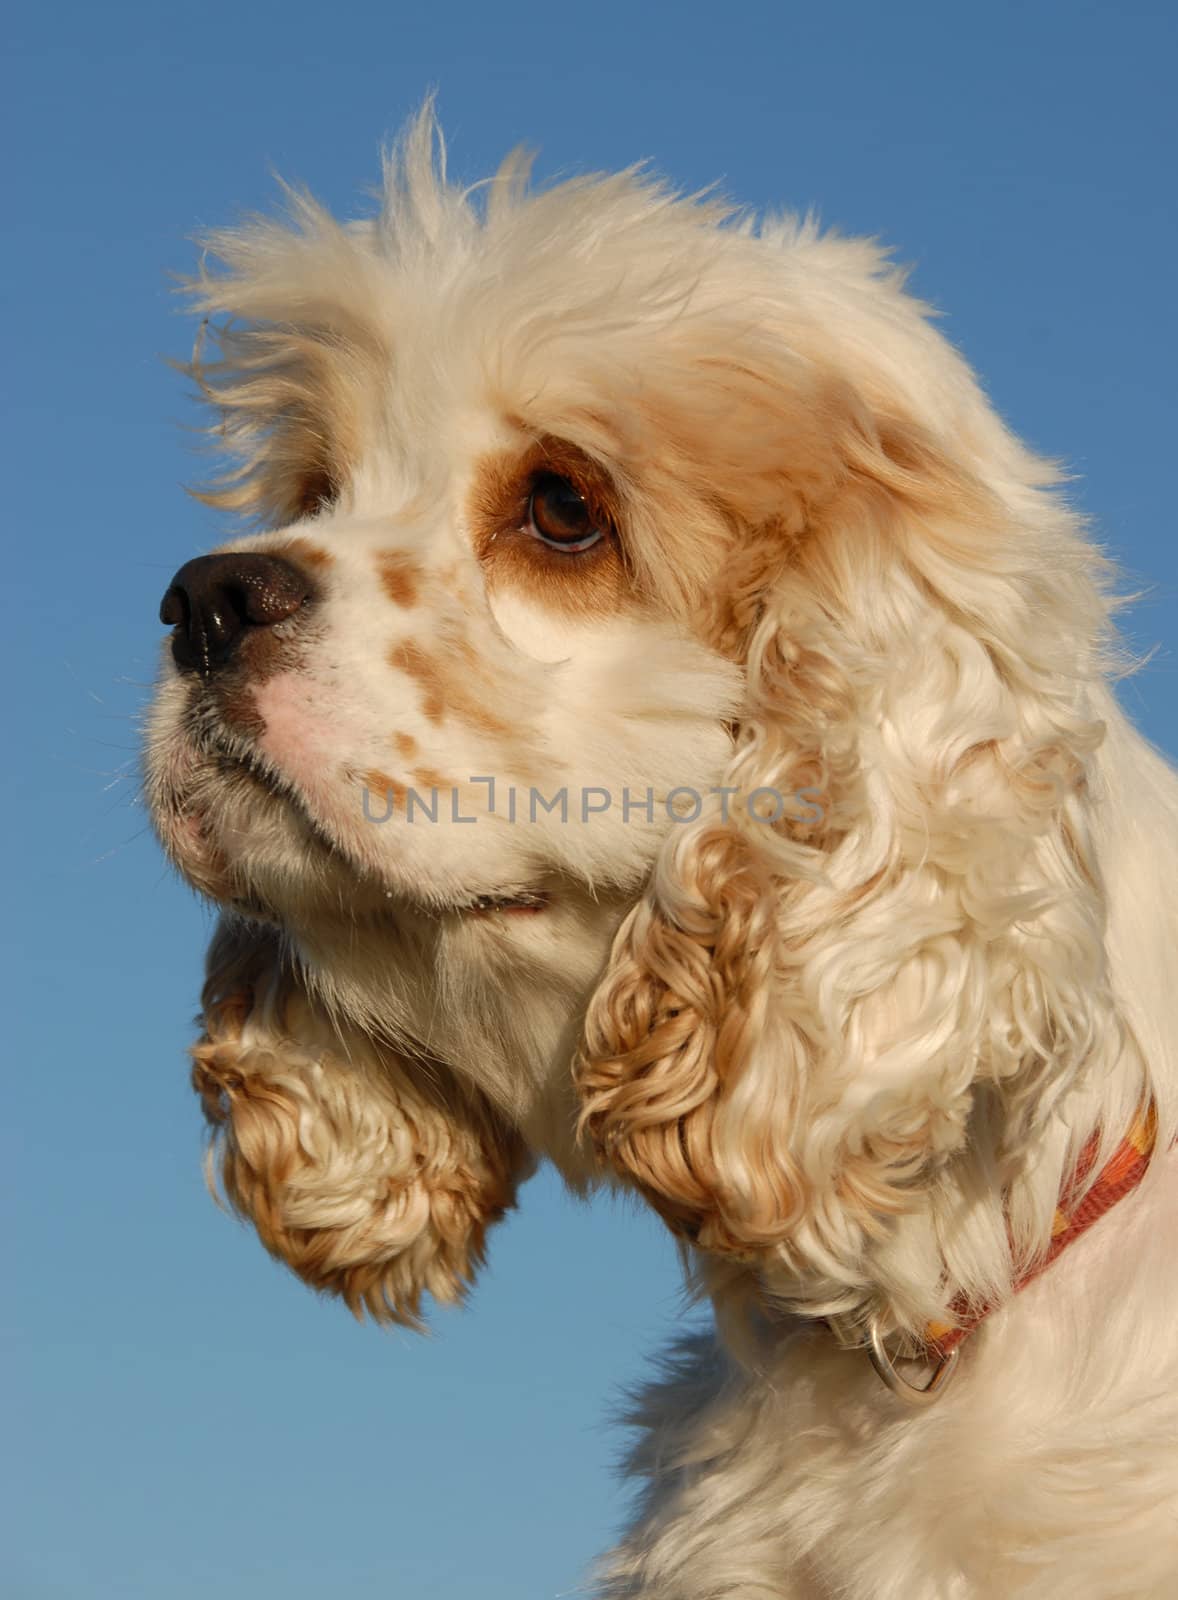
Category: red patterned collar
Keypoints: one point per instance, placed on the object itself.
(1080, 1205)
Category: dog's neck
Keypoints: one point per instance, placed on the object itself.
(980, 1221)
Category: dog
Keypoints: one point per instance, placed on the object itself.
(655, 718)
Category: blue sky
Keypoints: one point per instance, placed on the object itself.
(187, 1419)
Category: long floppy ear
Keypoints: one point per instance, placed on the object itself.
(373, 1177)
(894, 915)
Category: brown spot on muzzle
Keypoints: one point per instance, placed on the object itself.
(383, 787)
(408, 657)
(444, 689)
(305, 553)
(425, 779)
(400, 578)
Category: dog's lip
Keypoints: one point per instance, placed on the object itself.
(527, 904)
(238, 758)
(484, 904)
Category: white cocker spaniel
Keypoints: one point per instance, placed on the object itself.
(659, 723)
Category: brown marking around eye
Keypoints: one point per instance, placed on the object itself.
(594, 583)
(400, 576)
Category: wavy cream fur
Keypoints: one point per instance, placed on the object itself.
(850, 1057)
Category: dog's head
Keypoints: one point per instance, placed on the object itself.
(651, 703)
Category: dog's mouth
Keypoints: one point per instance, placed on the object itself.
(233, 813)
(226, 820)
(528, 904)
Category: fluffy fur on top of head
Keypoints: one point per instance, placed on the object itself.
(659, 722)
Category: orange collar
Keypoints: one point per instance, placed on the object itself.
(1074, 1215)
(1077, 1210)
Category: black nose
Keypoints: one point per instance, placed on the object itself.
(213, 602)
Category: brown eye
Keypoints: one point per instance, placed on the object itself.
(559, 517)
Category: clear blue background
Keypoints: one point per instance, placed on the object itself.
(185, 1419)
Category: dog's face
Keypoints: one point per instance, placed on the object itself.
(617, 563)
(431, 728)
(445, 690)
(436, 722)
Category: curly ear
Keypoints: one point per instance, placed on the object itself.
(896, 903)
(373, 1177)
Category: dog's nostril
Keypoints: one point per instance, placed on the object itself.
(174, 611)
(214, 602)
